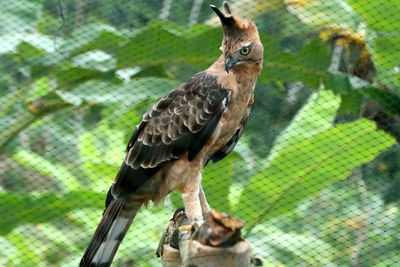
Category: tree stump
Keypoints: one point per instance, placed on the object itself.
(216, 243)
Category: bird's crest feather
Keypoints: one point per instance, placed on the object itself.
(233, 25)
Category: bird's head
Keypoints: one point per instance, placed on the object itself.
(241, 45)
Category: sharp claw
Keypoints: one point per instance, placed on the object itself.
(179, 212)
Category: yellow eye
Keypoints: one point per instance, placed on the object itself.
(245, 50)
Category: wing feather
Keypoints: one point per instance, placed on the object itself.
(179, 123)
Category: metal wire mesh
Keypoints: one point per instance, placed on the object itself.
(315, 176)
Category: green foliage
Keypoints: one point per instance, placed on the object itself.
(299, 66)
(144, 48)
(296, 174)
(24, 252)
(315, 116)
(293, 248)
(72, 95)
(389, 100)
(21, 14)
(104, 92)
(92, 37)
(101, 150)
(387, 68)
(379, 15)
(381, 21)
(323, 13)
(332, 220)
(65, 180)
(46, 207)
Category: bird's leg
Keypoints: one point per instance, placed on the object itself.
(203, 202)
(192, 206)
(191, 200)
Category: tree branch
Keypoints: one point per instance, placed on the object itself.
(9, 133)
(217, 242)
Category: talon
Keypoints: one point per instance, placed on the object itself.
(179, 212)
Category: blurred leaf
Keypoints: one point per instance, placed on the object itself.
(6, 251)
(57, 242)
(47, 23)
(217, 179)
(388, 69)
(71, 76)
(351, 103)
(304, 168)
(40, 88)
(158, 45)
(320, 13)
(143, 236)
(203, 46)
(338, 214)
(245, 153)
(130, 93)
(102, 151)
(152, 71)
(302, 248)
(25, 251)
(66, 181)
(10, 41)
(23, 209)
(389, 100)
(92, 37)
(380, 15)
(33, 111)
(103, 143)
(152, 45)
(309, 64)
(339, 83)
(45, 238)
(316, 116)
(28, 52)
(96, 59)
(45, 104)
(127, 117)
(47, 63)
(149, 87)
(18, 15)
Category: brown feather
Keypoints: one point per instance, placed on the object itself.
(187, 122)
(201, 119)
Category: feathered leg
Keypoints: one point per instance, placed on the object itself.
(191, 199)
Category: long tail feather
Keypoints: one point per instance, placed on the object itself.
(109, 233)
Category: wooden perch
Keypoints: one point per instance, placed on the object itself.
(217, 242)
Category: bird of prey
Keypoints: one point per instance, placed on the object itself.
(199, 121)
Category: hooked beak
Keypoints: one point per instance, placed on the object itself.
(229, 63)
